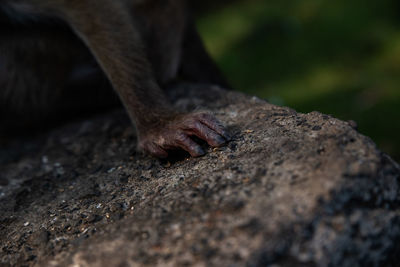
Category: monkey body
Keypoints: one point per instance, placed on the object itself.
(61, 56)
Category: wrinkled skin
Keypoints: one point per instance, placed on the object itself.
(177, 133)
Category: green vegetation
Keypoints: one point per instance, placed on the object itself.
(338, 57)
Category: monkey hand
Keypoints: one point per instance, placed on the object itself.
(176, 132)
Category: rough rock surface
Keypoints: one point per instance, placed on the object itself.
(291, 189)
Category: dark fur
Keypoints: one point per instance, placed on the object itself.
(59, 57)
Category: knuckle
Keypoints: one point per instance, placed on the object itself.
(204, 115)
(197, 125)
(181, 137)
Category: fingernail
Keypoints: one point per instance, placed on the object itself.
(200, 151)
(220, 140)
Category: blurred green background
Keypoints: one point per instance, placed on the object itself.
(338, 57)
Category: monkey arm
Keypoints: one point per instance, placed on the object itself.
(106, 28)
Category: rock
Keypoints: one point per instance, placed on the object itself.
(291, 189)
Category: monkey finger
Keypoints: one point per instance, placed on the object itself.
(155, 150)
(190, 146)
(205, 133)
(211, 122)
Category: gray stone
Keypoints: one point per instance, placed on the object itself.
(291, 189)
